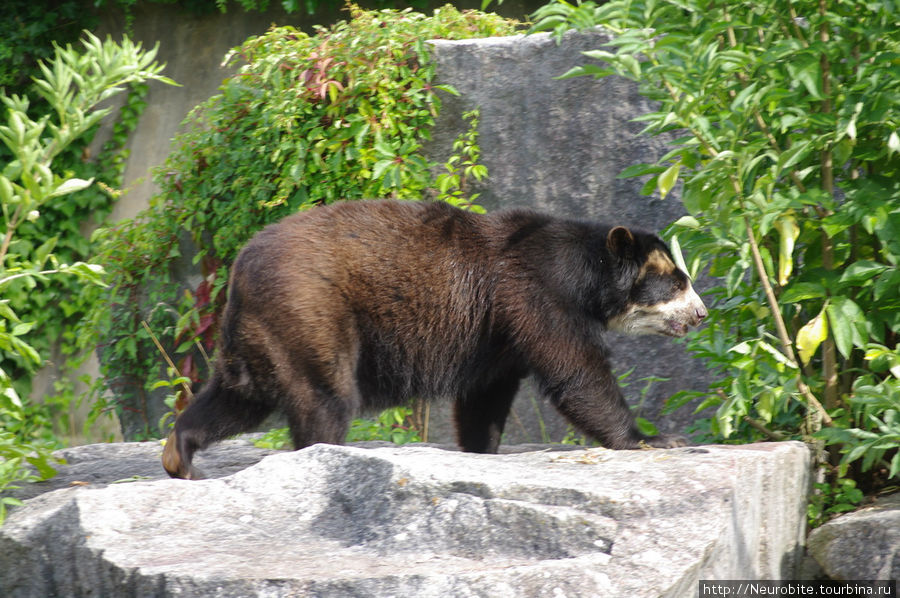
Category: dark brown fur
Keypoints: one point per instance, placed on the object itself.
(366, 304)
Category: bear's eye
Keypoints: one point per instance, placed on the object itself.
(675, 286)
(655, 287)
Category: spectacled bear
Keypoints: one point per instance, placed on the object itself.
(366, 304)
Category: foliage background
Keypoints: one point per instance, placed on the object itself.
(72, 83)
(788, 156)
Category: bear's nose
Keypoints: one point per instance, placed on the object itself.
(701, 313)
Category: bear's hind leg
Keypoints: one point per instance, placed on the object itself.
(315, 415)
(481, 415)
(216, 413)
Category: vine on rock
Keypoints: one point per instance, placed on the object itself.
(308, 119)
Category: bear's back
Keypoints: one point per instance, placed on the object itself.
(385, 282)
(362, 239)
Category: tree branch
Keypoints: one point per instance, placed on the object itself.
(829, 354)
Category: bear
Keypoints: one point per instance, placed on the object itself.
(364, 305)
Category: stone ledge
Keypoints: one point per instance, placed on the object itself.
(416, 521)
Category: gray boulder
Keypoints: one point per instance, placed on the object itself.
(97, 465)
(864, 544)
(419, 521)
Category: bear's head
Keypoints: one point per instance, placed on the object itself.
(661, 299)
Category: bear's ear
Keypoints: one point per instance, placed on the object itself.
(620, 242)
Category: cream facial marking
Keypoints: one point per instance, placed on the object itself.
(673, 314)
(659, 263)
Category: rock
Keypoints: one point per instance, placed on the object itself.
(110, 463)
(864, 544)
(418, 521)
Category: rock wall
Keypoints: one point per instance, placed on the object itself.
(411, 521)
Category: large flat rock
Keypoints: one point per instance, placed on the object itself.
(421, 521)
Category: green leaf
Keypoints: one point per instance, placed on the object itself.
(862, 271)
(765, 405)
(650, 186)
(7, 312)
(639, 170)
(7, 194)
(806, 68)
(631, 64)
(848, 325)
(776, 354)
(742, 348)
(600, 55)
(10, 393)
(70, 186)
(687, 222)
(93, 273)
(384, 148)
(448, 89)
(803, 291)
(43, 252)
(793, 155)
(22, 328)
(380, 168)
(646, 426)
(887, 284)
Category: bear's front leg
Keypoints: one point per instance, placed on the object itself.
(600, 411)
(603, 414)
(589, 397)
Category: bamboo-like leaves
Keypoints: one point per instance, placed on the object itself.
(72, 83)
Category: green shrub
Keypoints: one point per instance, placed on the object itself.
(392, 425)
(785, 123)
(72, 83)
(27, 37)
(307, 119)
